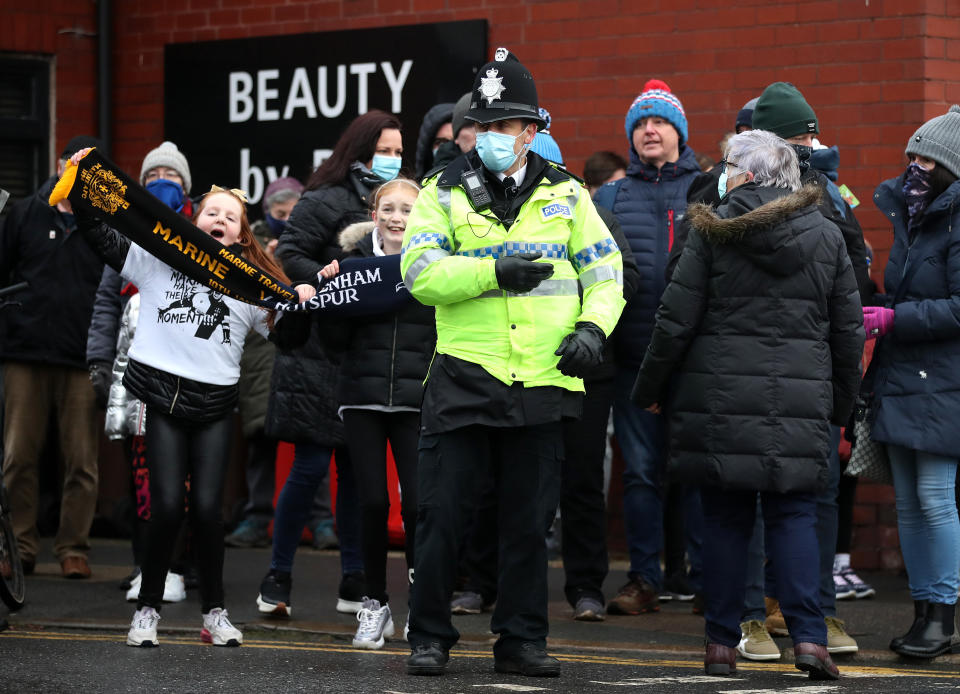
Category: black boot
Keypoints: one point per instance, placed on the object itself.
(919, 617)
(934, 637)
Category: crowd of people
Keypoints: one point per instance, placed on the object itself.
(715, 312)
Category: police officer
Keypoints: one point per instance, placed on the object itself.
(501, 242)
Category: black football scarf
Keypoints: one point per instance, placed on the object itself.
(364, 286)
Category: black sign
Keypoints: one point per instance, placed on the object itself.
(248, 111)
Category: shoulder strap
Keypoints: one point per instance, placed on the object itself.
(607, 194)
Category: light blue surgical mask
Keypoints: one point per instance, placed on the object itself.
(496, 150)
(722, 183)
(385, 167)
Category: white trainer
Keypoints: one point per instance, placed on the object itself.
(143, 628)
(174, 588)
(375, 623)
(218, 630)
(134, 592)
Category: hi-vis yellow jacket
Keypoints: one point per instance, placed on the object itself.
(448, 257)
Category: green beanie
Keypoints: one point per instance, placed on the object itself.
(782, 110)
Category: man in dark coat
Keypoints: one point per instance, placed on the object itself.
(649, 204)
(782, 110)
(43, 349)
(762, 329)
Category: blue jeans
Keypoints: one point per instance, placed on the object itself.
(928, 523)
(790, 527)
(310, 464)
(642, 437)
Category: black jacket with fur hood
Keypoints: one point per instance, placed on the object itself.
(763, 330)
(387, 356)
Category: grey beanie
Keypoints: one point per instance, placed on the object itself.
(167, 155)
(939, 139)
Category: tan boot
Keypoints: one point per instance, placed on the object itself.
(775, 623)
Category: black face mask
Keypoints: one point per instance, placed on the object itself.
(804, 152)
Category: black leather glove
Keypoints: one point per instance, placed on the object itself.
(518, 273)
(291, 330)
(581, 350)
(101, 376)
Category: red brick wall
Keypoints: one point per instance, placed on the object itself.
(873, 72)
(65, 30)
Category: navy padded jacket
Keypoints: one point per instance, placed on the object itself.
(649, 204)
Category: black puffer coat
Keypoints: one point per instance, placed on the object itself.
(389, 354)
(36, 246)
(303, 387)
(310, 239)
(763, 328)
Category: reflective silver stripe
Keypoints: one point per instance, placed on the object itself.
(572, 199)
(599, 274)
(443, 197)
(555, 288)
(491, 294)
(419, 265)
(545, 288)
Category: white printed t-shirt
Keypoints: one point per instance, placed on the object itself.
(186, 328)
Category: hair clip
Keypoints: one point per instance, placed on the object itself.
(235, 192)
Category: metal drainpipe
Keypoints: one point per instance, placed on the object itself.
(104, 74)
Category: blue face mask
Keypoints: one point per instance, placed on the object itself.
(722, 183)
(277, 226)
(496, 150)
(385, 167)
(169, 193)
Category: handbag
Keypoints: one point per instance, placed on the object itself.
(868, 458)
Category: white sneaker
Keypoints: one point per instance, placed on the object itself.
(143, 628)
(133, 593)
(174, 588)
(218, 630)
(375, 623)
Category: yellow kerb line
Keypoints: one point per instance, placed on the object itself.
(856, 671)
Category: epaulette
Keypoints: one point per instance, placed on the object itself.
(566, 172)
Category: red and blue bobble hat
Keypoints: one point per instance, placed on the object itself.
(657, 100)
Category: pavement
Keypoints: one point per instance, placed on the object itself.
(70, 621)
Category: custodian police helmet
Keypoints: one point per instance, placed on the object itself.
(504, 89)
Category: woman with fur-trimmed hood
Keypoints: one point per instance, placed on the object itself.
(761, 329)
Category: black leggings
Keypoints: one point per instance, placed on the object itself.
(367, 432)
(179, 448)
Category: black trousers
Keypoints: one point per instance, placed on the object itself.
(525, 464)
(367, 433)
(582, 509)
(177, 448)
(583, 534)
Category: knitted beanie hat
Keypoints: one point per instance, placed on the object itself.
(285, 184)
(547, 147)
(782, 110)
(657, 100)
(939, 139)
(745, 115)
(167, 155)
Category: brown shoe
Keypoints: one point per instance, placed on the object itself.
(635, 597)
(75, 567)
(720, 660)
(813, 659)
(775, 622)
